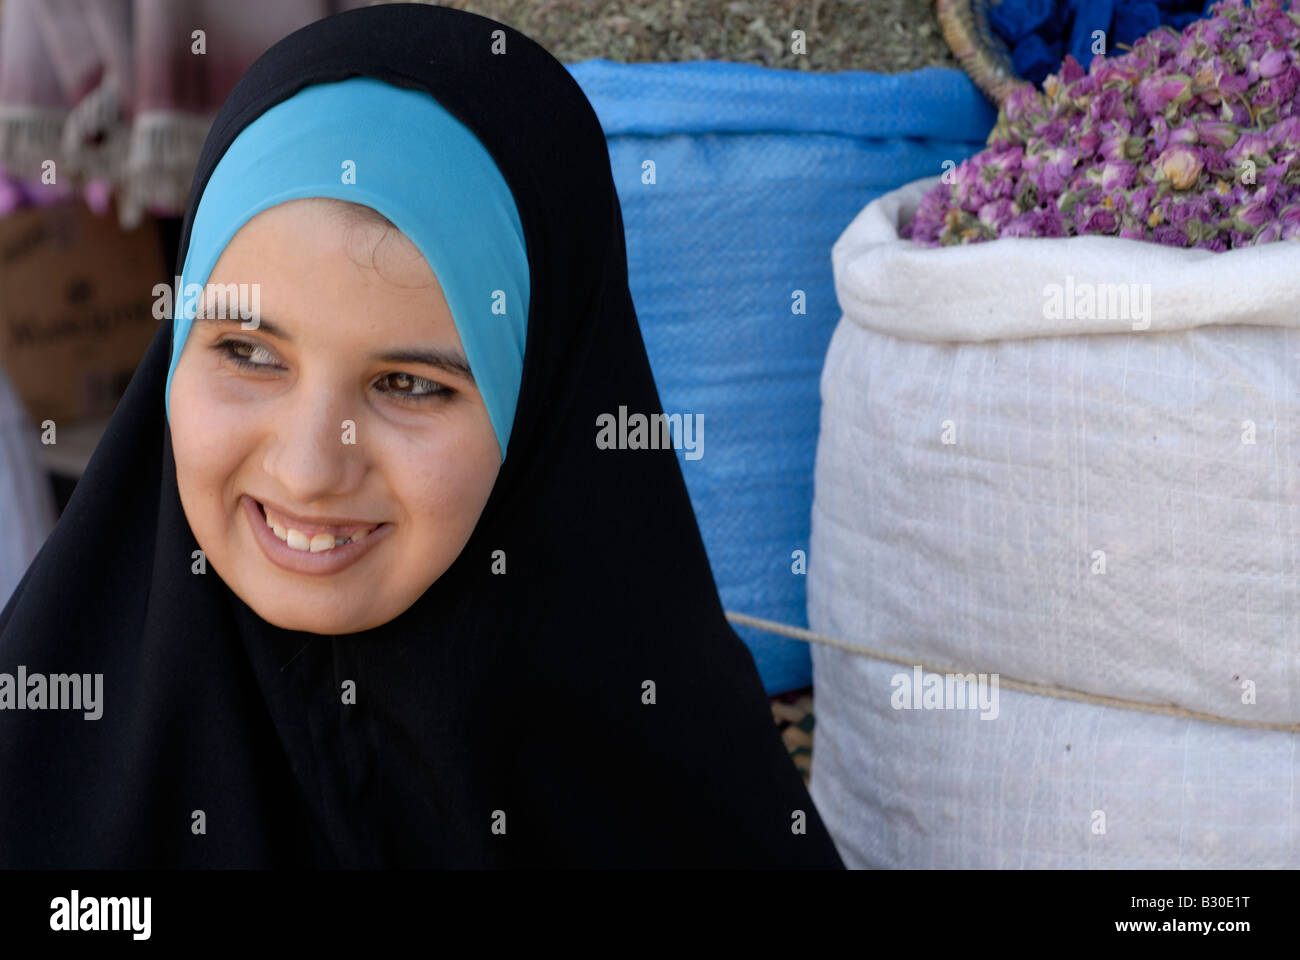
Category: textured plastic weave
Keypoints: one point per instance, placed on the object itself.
(1116, 511)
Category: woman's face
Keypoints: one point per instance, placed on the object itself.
(325, 428)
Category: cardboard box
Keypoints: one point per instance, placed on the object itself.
(76, 307)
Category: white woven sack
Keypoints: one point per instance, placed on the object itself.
(1102, 500)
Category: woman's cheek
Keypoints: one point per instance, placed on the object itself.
(232, 395)
(210, 434)
(446, 496)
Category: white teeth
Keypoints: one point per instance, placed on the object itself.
(322, 541)
(298, 540)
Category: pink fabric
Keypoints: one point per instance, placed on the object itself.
(114, 92)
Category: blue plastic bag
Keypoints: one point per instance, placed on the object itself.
(1033, 59)
(757, 172)
(1133, 20)
(1016, 19)
(1019, 22)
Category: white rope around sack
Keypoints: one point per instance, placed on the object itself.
(1043, 690)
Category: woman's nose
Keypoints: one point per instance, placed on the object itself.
(315, 451)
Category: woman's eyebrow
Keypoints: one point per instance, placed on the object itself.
(452, 361)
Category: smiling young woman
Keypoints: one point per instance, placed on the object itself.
(302, 423)
(428, 391)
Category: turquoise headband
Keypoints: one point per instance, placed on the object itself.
(417, 165)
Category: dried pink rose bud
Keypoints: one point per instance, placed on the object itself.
(1181, 165)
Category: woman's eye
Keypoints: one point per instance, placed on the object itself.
(233, 352)
(406, 386)
(402, 386)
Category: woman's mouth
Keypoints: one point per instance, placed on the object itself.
(312, 539)
(314, 550)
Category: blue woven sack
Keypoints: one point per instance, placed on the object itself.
(756, 172)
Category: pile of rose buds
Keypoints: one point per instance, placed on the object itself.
(1189, 139)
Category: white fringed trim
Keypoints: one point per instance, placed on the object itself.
(28, 137)
(149, 164)
(98, 113)
(163, 154)
(168, 138)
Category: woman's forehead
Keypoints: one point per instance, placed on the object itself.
(296, 233)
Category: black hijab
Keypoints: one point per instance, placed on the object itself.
(514, 699)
